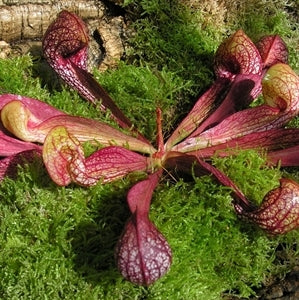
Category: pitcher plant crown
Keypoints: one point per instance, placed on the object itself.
(221, 121)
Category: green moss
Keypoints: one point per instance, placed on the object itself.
(16, 78)
(215, 257)
(168, 37)
(144, 89)
(59, 242)
(250, 173)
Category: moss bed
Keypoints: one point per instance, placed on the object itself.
(58, 242)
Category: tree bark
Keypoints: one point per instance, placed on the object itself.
(23, 24)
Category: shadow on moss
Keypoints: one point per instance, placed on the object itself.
(94, 239)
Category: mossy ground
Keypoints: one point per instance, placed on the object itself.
(58, 243)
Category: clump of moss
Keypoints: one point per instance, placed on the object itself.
(168, 37)
(16, 78)
(59, 242)
(250, 173)
(140, 90)
(71, 251)
(216, 258)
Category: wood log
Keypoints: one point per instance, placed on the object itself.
(23, 24)
(23, 20)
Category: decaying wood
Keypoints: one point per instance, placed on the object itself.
(4, 49)
(23, 24)
(114, 46)
(30, 21)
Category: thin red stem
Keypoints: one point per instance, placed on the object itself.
(160, 141)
